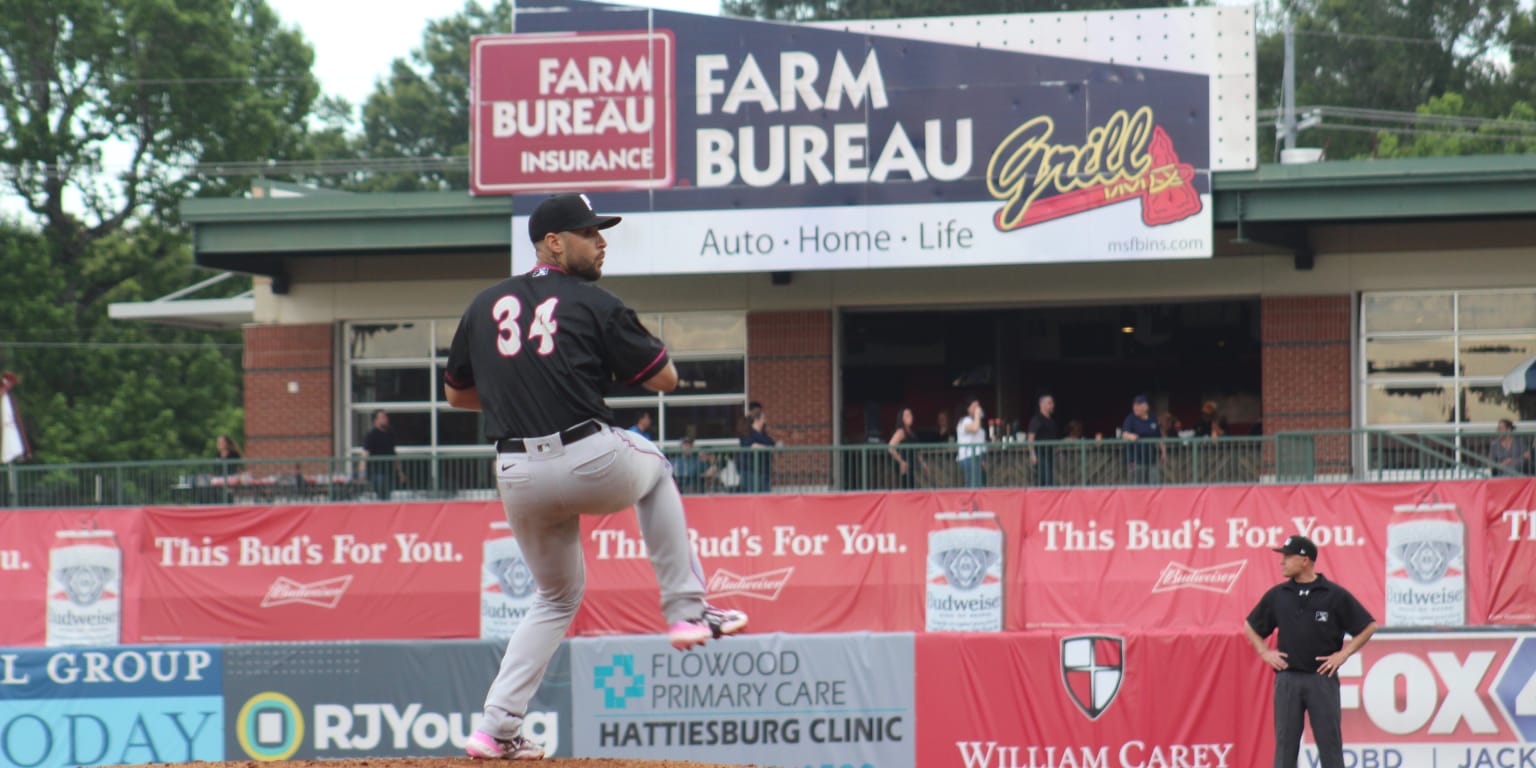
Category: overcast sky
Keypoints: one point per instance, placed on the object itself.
(355, 40)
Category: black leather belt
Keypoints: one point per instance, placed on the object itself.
(581, 431)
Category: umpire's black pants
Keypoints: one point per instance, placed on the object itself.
(1318, 697)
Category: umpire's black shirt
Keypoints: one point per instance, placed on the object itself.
(541, 348)
(1312, 618)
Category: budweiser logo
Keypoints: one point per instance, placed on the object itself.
(1214, 578)
(321, 594)
(763, 586)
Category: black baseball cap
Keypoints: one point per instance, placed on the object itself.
(1298, 545)
(565, 213)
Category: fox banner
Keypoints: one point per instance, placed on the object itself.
(737, 145)
(1454, 554)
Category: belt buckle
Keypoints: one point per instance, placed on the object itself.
(545, 445)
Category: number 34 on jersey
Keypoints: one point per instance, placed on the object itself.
(507, 312)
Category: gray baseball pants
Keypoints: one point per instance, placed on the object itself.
(1317, 697)
(545, 491)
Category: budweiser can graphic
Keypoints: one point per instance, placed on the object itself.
(85, 589)
(1426, 566)
(506, 584)
(965, 573)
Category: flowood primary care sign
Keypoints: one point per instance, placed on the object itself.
(733, 145)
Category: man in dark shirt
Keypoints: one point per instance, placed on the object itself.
(536, 352)
(1313, 615)
(1042, 427)
(759, 464)
(382, 468)
(1142, 461)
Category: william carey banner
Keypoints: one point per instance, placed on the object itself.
(734, 145)
(1073, 699)
(1416, 555)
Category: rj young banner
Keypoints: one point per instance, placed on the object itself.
(734, 145)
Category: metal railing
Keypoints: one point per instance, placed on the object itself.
(1292, 457)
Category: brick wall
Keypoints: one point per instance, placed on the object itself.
(789, 370)
(280, 423)
(1306, 371)
(1306, 362)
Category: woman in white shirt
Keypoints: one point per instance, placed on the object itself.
(972, 437)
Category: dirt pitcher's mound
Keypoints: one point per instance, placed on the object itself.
(452, 762)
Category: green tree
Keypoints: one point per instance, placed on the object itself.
(111, 112)
(1512, 133)
(421, 112)
(1381, 55)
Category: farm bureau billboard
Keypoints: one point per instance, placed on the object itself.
(733, 145)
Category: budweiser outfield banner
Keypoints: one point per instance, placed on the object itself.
(333, 572)
(70, 576)
(1439, 555)
(735, 145)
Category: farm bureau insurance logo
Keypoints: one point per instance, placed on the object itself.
(270, 727)
(551, 112)
(1092, 667)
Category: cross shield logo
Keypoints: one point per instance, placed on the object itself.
(1092, 667)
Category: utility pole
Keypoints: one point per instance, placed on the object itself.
(1288, 111)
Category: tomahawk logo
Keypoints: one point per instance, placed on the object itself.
(1092, 667)
(321, 594)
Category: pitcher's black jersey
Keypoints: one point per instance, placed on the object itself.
(541, 349)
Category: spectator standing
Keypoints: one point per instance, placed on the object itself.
(13, 433)
(906, 458)
(1141, 461)
(227, 454)
(1212, 423)
(946, 432)
(1511, 454)
(642, 427)
(1042, 428)
(759, 460)
(381, 467)
(972, 437)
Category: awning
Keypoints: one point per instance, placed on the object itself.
(176, 309)
(1522, 378)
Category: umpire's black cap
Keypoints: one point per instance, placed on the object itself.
(565, 213)
(1298, 545)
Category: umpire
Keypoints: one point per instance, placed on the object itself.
(1313, 615)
